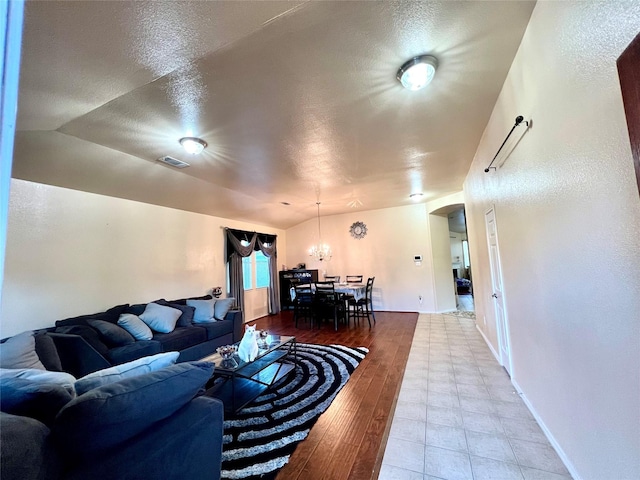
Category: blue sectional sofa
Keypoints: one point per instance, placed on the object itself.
(84, 349)
(152, 426)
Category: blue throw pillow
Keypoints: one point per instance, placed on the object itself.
(222, 307)
(136, 327)
(107, 416)
(112, 335)
(125, 370)
(187, 312)
(204, 310)
(41, 401)
(160, 318)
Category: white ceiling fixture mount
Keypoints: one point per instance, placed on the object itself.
(416, 196)
(193, 145)
(321, 251)
(418, 72)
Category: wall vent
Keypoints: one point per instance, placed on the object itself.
(174, 162)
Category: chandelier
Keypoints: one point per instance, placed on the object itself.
(321, 251)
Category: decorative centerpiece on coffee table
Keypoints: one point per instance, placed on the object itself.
(262, 342)
(227, 352)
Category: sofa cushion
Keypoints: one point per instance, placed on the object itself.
(111, 414)
(136, 309)
(25, 449)
(41, 401)
(110, 334)
(222, 307)
(183, 301)
(160, 318)
(136, 327)
(180, 338)
(47, 352)
(134, 351)
(204, 310)
(187, 312)
(88, 333)
(110, 315)
(35, 375)
(217, 329)
(125, 370)
(19, 351)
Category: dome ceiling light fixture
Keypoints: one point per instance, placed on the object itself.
(193, 145)
(416, 196)
(418, 72)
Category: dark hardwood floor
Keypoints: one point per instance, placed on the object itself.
(345, 442)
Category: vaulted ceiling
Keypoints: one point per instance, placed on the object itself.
(298, 101)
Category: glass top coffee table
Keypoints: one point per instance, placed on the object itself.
(237, 382)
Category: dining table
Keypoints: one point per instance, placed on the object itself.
(355, 290)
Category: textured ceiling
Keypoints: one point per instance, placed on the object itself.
(297, 101)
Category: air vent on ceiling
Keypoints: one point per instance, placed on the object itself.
(174, 162)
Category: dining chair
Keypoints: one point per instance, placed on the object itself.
(327, 303)
(332, 278)
(354, 278)
(303, 303)
(363, 308)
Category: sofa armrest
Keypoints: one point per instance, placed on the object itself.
(238, 322)
(26, 449)
(194, 432)
(77, 357)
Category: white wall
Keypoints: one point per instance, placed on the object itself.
(394, 236)
(442, 272)
(568, 217)
(71, 253)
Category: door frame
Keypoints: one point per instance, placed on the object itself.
(508, 362)
(629, 74)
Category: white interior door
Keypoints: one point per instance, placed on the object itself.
(497, 294)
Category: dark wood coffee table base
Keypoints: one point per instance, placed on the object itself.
(238, 387)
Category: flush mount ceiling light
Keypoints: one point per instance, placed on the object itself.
(415, 196)
(193, 145)
(418, 72)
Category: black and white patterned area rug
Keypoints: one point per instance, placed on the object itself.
(259, 439)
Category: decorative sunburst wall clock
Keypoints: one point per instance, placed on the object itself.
(358, 230)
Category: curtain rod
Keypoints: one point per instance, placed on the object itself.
(249, 231)
(519, 120)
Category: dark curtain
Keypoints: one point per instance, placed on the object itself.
(271, 253)
(235, 252)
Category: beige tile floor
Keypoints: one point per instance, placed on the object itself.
(458, 416)
(465, 303)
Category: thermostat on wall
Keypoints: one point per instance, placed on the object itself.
(417, 259)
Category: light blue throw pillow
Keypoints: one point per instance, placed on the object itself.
(204, 310)
(36, 375)
(136, 327)
(19, 351)
(222, 307)
(126, 370)
(160, 318)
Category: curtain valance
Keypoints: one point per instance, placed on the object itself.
(236, 250)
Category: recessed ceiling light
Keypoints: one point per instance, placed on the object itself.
(418, 72)
(193, 145)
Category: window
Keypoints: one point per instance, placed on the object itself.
(465, 253)
(262, 270)
(255, 271)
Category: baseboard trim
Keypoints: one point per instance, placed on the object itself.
(486, 340)
(554, 443)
